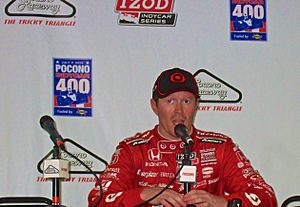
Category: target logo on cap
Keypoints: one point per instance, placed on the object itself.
(177, 78)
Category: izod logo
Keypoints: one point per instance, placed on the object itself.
(146, 12)
(144, 5)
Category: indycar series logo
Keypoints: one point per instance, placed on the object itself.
(146, 12)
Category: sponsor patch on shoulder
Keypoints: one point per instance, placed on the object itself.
(212, 140)
(138, 142)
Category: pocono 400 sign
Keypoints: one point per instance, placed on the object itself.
(248, 20)
(72, 87)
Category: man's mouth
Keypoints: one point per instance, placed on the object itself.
(177, 121)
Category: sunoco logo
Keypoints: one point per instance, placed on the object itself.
(146, 12)
(40, 8)
(214, 90)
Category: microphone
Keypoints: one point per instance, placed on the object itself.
(182, 132)
(49, 125)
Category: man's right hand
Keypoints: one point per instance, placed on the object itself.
(168, 198)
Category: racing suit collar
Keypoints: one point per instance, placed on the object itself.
(162, 138)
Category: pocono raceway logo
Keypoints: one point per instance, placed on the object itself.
(216, 94)
(146, 12)
(35, 10)
(78, 172)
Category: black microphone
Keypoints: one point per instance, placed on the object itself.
(49, 125)
(182, 132)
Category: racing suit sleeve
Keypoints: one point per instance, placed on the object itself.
(243, 182)
(118, 182)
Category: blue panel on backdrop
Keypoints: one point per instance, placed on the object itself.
(248, 20)
(72, 90)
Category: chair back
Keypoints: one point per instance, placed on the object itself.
(33, 201)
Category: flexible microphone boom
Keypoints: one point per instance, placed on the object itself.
(49, 125)
(182, 132)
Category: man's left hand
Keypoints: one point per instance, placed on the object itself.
(201, 198)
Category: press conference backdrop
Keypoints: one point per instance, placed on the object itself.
(91, 66)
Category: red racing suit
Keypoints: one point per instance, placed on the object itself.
(149, 160)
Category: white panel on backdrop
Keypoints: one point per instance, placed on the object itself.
(126, 61)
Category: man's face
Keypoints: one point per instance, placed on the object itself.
(178, 107)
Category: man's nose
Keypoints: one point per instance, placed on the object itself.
(178, 107)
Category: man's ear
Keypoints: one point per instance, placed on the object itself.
(153, 104)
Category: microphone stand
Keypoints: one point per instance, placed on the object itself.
(186, 161)
(56, 181)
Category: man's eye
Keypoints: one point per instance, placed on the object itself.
(187, 101)
(170, 101)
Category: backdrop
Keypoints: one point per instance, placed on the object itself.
(91, 66)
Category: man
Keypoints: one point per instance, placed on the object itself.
(145, 164)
